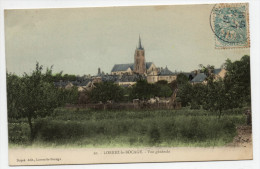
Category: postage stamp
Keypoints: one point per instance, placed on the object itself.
(230, 24)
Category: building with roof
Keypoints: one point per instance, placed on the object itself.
(128, 69)
(120, 69)
(162, 74)
(201, 77)
(220, 73)
(141, 67)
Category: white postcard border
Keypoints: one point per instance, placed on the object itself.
(255, 61)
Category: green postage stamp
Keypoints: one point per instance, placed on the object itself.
(230, 24)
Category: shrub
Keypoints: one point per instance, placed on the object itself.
(154, 135)
(18, 133)
(52, 130)
(106, 91)
(194, 105)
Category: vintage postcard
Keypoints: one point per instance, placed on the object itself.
(128, 84)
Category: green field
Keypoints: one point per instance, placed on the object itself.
(141, 128)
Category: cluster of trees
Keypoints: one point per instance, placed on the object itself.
(106, 91)
(63, 77)
(144, 90)
(218, 95)
(141, 90)
(34, 95)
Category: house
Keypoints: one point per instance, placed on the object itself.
(127, 80)
(85, 85)
(162, 74)
(220, 73)
(201, 77)
(166, 74)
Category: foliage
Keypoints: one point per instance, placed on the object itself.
(237, 79)
(173, 85)
(18, 133)
(160, 128)
(106, 91)
(70, 96)
(184, 94)
(30, 95)
(163, 90)
(199, 95)
(182, 79)
(162, 82)
(220, 94)
(66, 77)
(83, 97)
(218, 98)
(208, 71)
(234, 90)
(34, 95)
(154, 134)
(14, 95)
(193, 95)
(143, 90)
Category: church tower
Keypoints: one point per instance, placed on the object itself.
(139, 64)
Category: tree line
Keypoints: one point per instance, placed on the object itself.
(109, 91)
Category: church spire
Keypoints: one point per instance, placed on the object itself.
(140, 43)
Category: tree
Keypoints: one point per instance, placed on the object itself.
(199, 94)
(173, 85)
(193, 95)
(184, 89)
(106, 91)
(14, 97)
(208, 71)
(233, 91)
(182, 79)
(68, 77)
(217, 98)
(184, 94)
(57, 77)
(237, 79)
(163, 89)
(31, 96)
(70, 96)
(144, 90)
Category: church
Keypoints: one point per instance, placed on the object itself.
(141, 67)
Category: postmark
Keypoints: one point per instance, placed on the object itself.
(230, 24)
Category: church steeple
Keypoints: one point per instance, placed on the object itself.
(140, 44)
(139, 64)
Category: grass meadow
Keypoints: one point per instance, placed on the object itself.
(125, 128)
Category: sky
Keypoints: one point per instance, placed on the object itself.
(79, 40)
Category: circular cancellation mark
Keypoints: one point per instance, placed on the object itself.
(229, 22)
